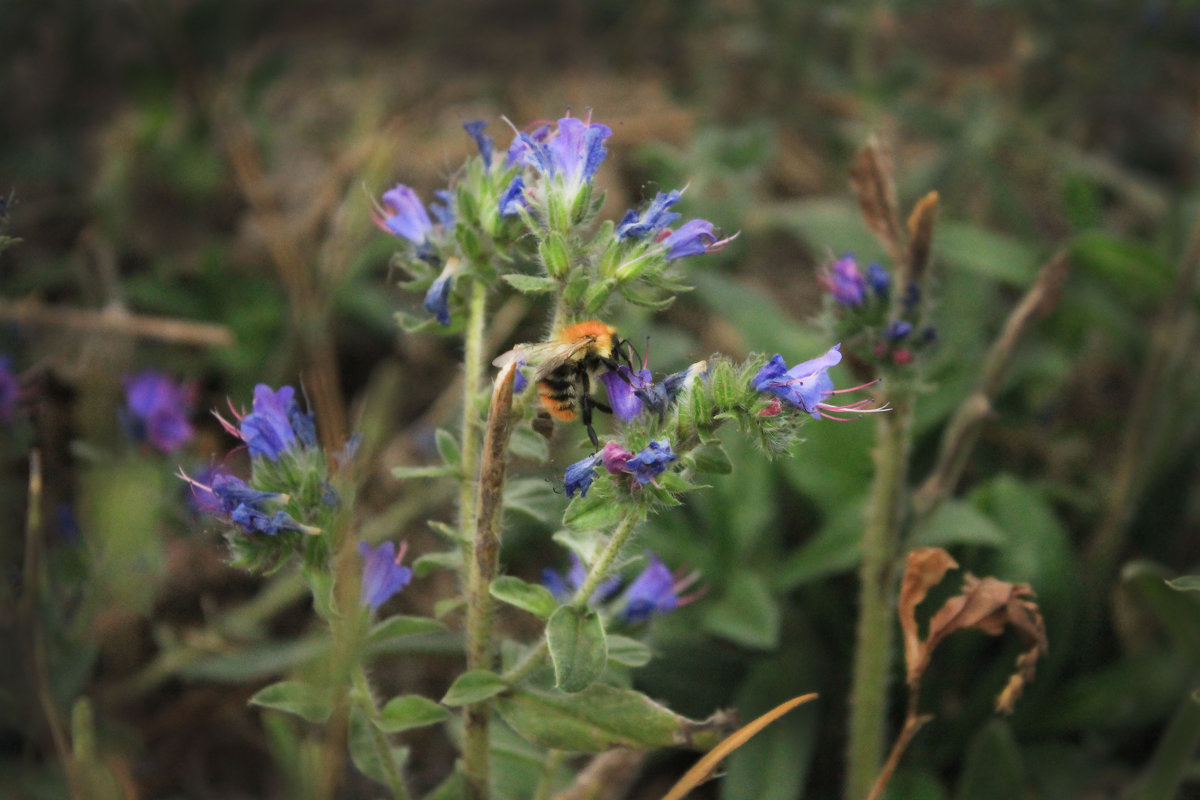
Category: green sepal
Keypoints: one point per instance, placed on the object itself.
(576, 287)
(409, 711)
(449, 531)
(597, 295)
(641, 295)
(531, 597)
(531, 284)
(320, 582)
(294, 697)
(556, 257)
(578, 647)
(447, 447)
(529, 444)
(597, 719)
(598, 511)
(474, 686)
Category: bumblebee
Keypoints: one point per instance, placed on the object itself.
(565, 367)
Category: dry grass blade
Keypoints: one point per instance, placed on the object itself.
(702, 768)
(920, 236)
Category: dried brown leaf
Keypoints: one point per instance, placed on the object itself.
(920, 236)
(986, 604)
(925, 569)
(872, 177)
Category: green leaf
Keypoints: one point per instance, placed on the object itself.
(986, 254)
(627, 652)
(1185, 583)
(409, 711)
(530, 284)
(1129, 266)
(400, 625)
(746, 613)
(597, 511)
(1176, 612)
(532, 497)
(596, 719)
(432, 471)
(597, 295)
(577, 647)
(448, 559)
(447, 447)
(302, 699)
(529, 444)
(531, 597)
(364, 752)
(473, 686)
(641, 295)
(586, 544)
(993, 769)
(453, 788)
(959, 522)
(258, 661)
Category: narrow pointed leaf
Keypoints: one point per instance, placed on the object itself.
(473, 686)
(293, 697)
(409, 711)
(530, 597)
(400, 625)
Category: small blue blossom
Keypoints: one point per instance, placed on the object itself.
(622, 387)
(474, 129)
(694, 238)
(878, 279)
(579, 476)
(383, 575)
(437, 299)
(10, 391)
(845, 282)
(244, 505)
(652, 460)
(572, 153)
(653, 591)
(655, 218)
(912, 297)
(158, 409)
(897, 329)
(659, 396)
(276, 423)
(402, 214)
(443, 211)
(512, 199)
(804, 385)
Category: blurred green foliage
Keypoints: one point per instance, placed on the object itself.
(1043, 127)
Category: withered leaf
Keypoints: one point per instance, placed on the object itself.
(987, 604)
(871, 176)
(920, 233)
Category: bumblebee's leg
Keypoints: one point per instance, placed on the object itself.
(586, 404)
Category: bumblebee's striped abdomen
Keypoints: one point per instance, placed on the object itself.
(557, 395)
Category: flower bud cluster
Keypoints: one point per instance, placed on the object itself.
(524, 221)
(287, 502)
(878, 328)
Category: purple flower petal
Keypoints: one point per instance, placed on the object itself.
(383, 576)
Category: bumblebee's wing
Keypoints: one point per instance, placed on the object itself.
(548, 356)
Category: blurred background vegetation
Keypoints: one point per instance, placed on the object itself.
(212, 163)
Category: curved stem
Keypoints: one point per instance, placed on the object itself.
(603, 563)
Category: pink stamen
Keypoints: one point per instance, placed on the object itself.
(400, 553)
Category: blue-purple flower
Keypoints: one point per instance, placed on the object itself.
(897, 329)
(443, 210)
(653, 591)
(623, 391)
(10, 391)
(659, 396)
(244, 505)
(693, 238)
(402, 214)
(383, 574)
(474, 129)
(878, 279)
(655, 218)
(579, 476)
(572, 153)
(275, 425)
(650, 461)
(437, 298)
(157, 410)
(805, 385)
(512, 199)
(845, 282)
